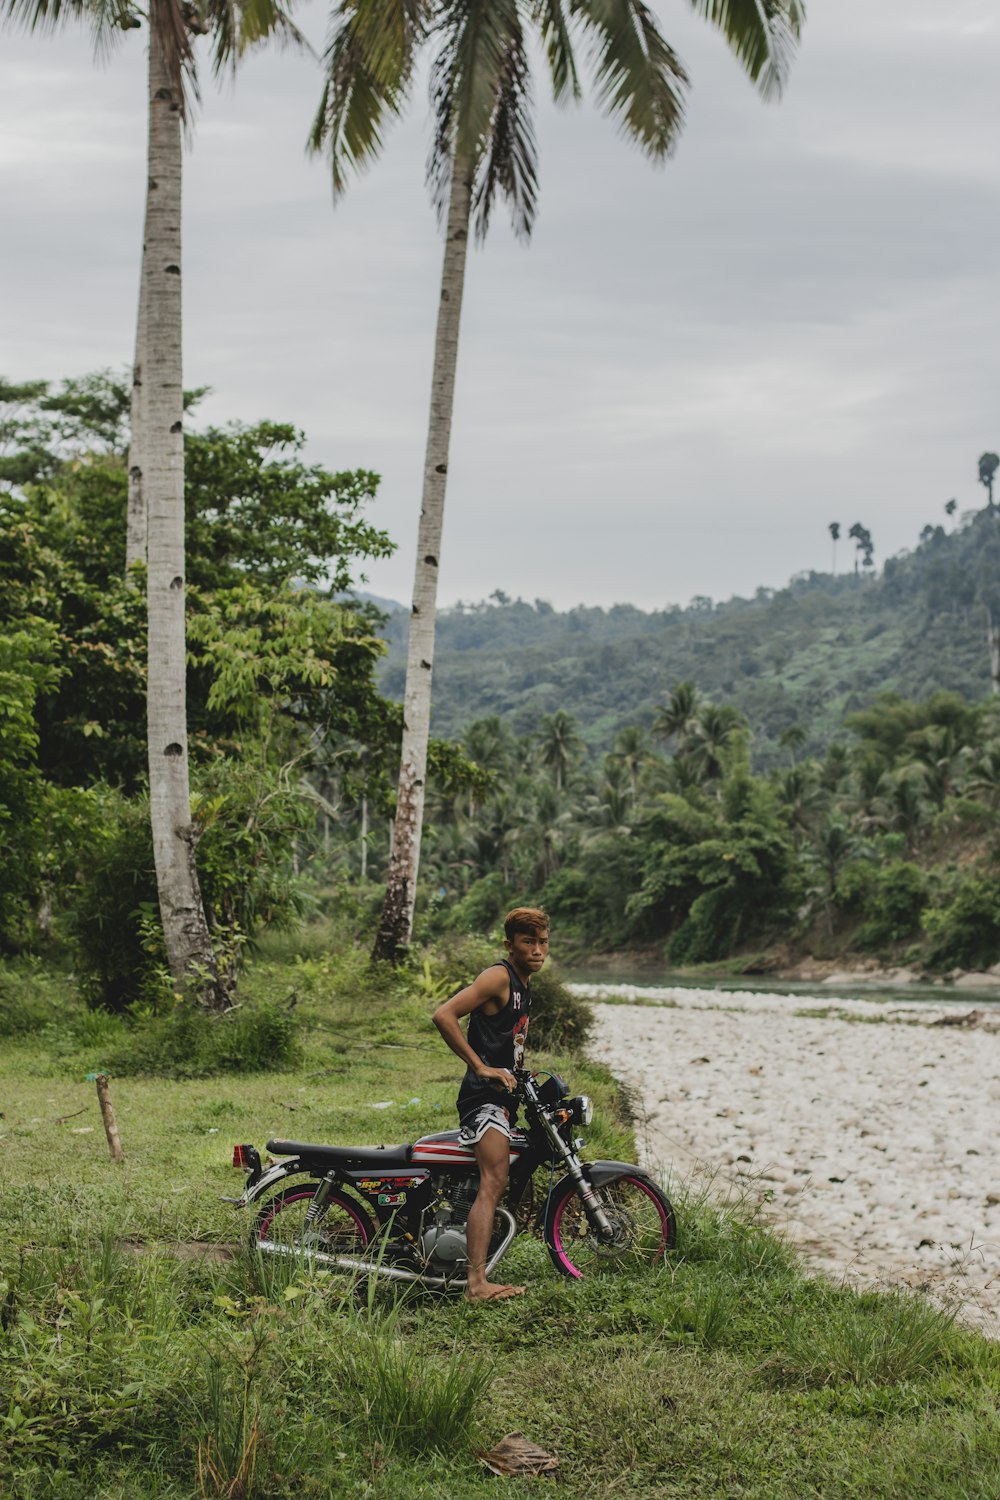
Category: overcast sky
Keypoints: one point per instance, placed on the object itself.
(688, 373)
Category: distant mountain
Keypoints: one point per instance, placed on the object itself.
(387, 606)
(806, 654)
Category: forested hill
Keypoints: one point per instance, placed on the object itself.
(803, 655)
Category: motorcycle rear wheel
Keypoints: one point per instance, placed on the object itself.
(642, 1221)
(344, 1228)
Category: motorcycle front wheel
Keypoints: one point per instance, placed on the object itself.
(642, 1225)
(343, 1228)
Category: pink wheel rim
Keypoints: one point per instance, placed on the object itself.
(635, 1182)
(297, 1198)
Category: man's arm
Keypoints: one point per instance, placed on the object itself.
(490, 985)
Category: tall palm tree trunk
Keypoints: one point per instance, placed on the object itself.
(161, 444)
(135, 532)
(396, 923)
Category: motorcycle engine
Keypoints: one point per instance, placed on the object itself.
(444, 1245)
(443, 1241)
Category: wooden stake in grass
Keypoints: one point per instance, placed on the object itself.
(110, 1123)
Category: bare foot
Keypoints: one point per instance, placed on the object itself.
(492, 1292)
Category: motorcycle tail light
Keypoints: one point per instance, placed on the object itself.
(242, 1157)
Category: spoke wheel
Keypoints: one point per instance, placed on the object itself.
(641, 1222)
(343, 1228)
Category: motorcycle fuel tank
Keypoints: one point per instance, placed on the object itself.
(445, 1149)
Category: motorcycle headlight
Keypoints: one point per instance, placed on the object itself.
(583, 1111)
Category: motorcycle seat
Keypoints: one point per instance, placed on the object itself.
(352, 1158)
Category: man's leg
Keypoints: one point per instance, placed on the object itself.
(493, 1155)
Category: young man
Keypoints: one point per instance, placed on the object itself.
(497, 1003)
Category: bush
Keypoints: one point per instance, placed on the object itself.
(247, 819)
(28, 1000)
(114, 915)
(560, 1020)
(964, 933)
(889, 897)
(482, 908)
(189, 1042)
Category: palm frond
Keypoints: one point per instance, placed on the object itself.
(106, 19)
(237, 26)
(478, 67)
(762, 34)
(553, 21)
(510, 163)
(640, 79)
(369, 66)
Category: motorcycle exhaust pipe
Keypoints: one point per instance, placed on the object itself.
(392, 1273)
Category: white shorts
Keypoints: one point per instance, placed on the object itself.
(487, 1117)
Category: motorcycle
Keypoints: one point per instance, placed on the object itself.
(400, 1211)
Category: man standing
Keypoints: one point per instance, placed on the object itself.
(497, 1004)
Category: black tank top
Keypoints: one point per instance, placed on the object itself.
(499, 1042)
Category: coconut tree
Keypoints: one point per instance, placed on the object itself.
(631, 753)
(675, 718)
(155, 529)
(988, 465)
(484, 148)
(559, 744)
(155, 526)
(158, 454)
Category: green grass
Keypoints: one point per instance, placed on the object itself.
(139, 1359)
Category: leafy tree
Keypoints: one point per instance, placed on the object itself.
(865, 547)
(988, 465)
(37, 821)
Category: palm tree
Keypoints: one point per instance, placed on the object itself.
(988, 465)
(155, 527)
(160, 456)
(484, 147)
(711, 736)
(675, 719)
(793, 737)
(631, 753)
(834, 530)
(559, 744)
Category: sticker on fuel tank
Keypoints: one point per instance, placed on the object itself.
(379, 1184)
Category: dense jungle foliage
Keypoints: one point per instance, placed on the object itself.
(801, 657)
(826, 780)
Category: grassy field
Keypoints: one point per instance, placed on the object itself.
(139, 1358)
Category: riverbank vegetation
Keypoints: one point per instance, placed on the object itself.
(701, 833)
(144, 1353)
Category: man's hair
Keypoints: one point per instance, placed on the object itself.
(530, 920)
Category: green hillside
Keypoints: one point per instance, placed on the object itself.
(806, 654)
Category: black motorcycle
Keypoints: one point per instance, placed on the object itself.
(400, 1211)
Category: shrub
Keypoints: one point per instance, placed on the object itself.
(890, 897)
(28, 1000)
(188, 1042)
(482, 908)
(247, 819)
(965, 931)
(560, 1020)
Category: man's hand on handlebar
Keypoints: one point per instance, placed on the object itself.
(503, 1076)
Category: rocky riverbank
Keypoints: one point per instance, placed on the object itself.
(864, 1129)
